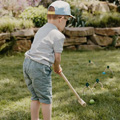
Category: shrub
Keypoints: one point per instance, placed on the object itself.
(103, 20)
(8, 24)
(37, 14)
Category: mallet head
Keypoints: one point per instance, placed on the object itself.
(82, 103)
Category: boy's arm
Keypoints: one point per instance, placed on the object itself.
(56, 65)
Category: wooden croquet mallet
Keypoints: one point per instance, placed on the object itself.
(82, 102)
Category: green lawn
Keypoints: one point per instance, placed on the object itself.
(15, 98)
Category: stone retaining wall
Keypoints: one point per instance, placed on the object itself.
(89, 38)
(84, 38)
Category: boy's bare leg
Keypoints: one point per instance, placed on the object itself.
(35, 107)
(46, 111)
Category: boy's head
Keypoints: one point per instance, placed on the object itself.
(58, 13)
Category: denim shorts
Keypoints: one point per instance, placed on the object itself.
(38, 79)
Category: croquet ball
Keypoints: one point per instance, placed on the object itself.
(91, 101)
(103, 73)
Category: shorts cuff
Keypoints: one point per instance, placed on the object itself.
(34, 98)
(45, 101)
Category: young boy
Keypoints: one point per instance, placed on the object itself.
(45, 51)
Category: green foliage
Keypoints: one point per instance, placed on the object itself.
(8, 24)
(7, 47)
(102, 20)
(115, 38)
(77, 12)
(79, 21)
(96, 19)
(37, 14)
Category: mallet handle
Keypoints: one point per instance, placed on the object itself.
(82, 102)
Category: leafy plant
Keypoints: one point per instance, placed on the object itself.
(37, 14)
(102, 20)
(8, 24)
(79, 21)
(115, 38)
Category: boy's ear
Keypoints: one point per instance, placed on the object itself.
(60, 19)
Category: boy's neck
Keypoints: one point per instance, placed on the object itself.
(54, 22)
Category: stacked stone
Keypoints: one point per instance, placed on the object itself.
(89, 38)
(84, 38)
(22, 39)
(4, 37)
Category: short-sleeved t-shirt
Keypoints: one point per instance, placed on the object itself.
(47, 41)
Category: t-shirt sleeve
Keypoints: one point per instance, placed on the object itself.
(58, 45)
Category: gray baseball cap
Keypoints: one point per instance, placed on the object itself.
(61, 8)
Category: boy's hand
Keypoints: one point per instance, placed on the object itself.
(57, 69)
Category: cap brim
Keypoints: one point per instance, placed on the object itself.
(73, 16)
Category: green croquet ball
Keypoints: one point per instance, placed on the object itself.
(91, 101)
